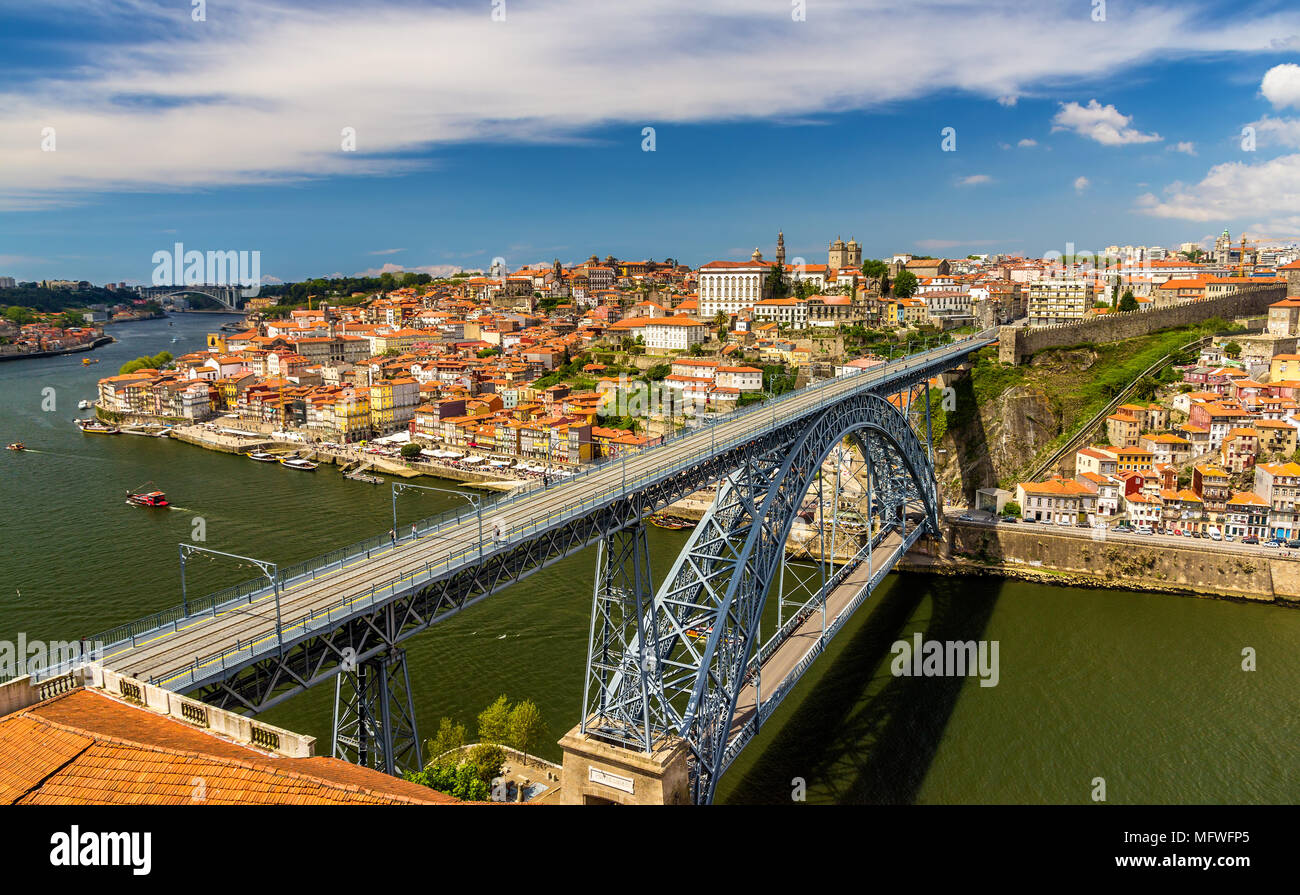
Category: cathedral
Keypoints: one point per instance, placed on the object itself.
(841, 255)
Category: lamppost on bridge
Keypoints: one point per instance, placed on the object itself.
(269, 569)
(474, 499)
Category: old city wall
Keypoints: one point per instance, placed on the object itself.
(1015, 344)
(1026, 552)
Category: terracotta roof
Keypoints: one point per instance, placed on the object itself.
(85, 747)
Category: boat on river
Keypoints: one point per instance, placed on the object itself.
(147, 499)
(262, 457)
(299, 463)
(16, 446)
(95, 427)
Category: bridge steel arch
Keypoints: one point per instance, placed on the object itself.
(648, 676)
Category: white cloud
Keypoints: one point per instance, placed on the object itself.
(1007, 100)
(1027, 143)
(1281, 85)
(1233, 191)
(387, 251)
(177, 109)
(1186, 147)
(975, 180)
(435, 270)
(1081, 183)
(1278, 131)
(1105, 124)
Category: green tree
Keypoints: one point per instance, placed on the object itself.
(1011, 508)
(410, 451)
(777, 284)
(450, 737)
(1233, 350)
(1127, 302)
(905, 284)
(488, 759)
(526, 726)
(873, 269)
(494, 722)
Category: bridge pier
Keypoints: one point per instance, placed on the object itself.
(597, 772)
(374, 716)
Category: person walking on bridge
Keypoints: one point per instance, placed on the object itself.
(415, 532)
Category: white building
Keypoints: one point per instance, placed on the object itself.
(731, 286)
(1059, 300)
(674, 333)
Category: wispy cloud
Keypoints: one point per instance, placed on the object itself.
(386, 251)
(1081, 184)
(975, 180)
(1184, 147)
(176, 109)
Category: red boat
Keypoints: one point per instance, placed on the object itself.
(147, 499)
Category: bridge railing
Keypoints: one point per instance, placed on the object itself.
(326, 618)
(248, 591)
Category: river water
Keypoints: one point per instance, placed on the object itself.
(1145, 691)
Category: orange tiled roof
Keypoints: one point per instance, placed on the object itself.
(85, 747)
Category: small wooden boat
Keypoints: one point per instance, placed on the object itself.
(87, 361)
(16, 446)
(666, 522)
(299, 463)
(84, 405)
(262, 457)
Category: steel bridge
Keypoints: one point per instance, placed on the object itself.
(684, 659)
(231, 297)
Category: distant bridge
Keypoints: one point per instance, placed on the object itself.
(231, 297)
(675, 668)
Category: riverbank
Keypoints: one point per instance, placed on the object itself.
(76, 349)
(1072, 559)
(347, 458)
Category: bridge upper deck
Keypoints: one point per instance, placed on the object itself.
(190, 650)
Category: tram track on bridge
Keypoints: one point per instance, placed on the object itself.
(196, 643)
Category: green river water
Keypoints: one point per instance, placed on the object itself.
(1144, 690)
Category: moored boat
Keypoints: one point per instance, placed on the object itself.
(299, 463)
(95, 427)
(262, 457)
(84, 405)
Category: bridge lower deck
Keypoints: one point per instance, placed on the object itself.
(780, 667)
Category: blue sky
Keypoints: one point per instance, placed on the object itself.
(522, 138)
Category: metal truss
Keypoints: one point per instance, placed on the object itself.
(685, 659)
(374, 717)
(741, 529)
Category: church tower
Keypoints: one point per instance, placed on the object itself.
(780, 248)
(835, 256)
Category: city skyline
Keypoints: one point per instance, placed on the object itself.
(157, 141)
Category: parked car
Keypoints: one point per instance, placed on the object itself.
(965, 517)
(1030, 520)
(1188, 533)
(1124, 527)
(1009, 519)
(1274, 542)
(1294, 543)
(1143, 530)
(1250, 539)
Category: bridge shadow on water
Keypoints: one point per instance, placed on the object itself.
(861, 735)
